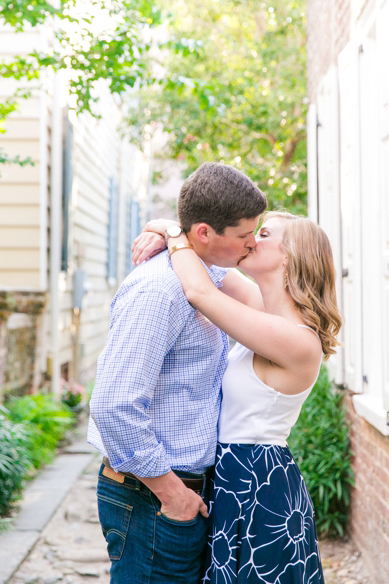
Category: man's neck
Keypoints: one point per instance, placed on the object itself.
(200, 250)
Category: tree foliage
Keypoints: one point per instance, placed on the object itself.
(92, 40)
(8, 106)
(242, 98)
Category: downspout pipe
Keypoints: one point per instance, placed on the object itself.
(55, 231)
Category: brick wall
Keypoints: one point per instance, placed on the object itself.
(328, 32)
(370, 497)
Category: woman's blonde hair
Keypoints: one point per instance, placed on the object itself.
(310, 276)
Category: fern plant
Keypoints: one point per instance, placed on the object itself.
(14, 462)
(46, 423)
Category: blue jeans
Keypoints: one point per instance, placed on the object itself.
(144, 546)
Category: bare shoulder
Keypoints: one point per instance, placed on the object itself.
(309, 340)
(311, 354)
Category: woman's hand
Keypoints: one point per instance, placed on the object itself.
(147, 245)
(151, 241)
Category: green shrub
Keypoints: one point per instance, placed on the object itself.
(46, 423)
(5, 524)
(14, 462)
(321, 446)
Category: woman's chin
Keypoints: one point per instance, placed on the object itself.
(244, 266)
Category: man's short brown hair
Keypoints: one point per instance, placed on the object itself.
(219, 195)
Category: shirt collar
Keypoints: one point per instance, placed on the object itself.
(214, 272)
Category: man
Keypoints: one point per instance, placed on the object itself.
(156, 400)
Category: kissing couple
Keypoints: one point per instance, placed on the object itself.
(197, 482)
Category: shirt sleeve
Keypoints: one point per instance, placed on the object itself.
(142, 332)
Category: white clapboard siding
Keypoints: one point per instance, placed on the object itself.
(383, 109)
(329, 190)
(13, 173)
(20, 194)
(95, 162)
(10, 237)
(19, 128)
(20, 279)
(16, 194)
(96, 158)
(25, 259)
(348, 66)
(19, 216)
(27, 148)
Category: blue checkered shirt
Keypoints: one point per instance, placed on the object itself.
(157, 395)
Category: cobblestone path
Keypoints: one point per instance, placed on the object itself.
(71, 549)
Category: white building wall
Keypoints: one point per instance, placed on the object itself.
(99, 155)
(353, 204)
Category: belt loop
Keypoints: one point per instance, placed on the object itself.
(204, 487)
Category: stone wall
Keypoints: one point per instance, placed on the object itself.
(20, 339)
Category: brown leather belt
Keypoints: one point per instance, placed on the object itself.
(195, 484)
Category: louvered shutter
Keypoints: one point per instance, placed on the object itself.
(329, 189)
(383, 59)
(66, 192)
(350, 186)
(112, 232)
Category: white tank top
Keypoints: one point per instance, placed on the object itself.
(251, 411)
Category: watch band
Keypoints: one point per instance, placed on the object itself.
(180, 246)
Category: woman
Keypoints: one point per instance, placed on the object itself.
(262, 518)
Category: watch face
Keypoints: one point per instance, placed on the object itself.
(174, 231)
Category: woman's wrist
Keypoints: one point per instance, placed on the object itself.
(160, 226)
(174, 241)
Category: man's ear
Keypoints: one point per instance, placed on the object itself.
(203, 232)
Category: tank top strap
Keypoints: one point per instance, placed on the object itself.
(310, 328)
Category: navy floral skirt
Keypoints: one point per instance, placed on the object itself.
(262, 519)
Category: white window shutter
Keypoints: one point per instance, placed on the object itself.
(329, 190)
(312, 162)
(383, 57)
(350, 187)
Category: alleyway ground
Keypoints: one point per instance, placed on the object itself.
(71, 548)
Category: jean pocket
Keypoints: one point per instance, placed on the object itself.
(182, 523)
(115, 520)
